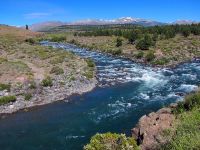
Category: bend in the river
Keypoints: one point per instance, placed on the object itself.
(134, 90)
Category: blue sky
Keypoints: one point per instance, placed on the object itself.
(20, 12)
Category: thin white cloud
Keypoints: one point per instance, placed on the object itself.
(36, 15)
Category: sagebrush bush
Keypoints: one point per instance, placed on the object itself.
(32, 85)
(7, 99)
(57, 70)
(2, 60)
(89, 74)
(117, 51)
(31, 41)
(58, 38)
(27, 96)
(5, 87)
(47, 82)
(139, 55)
(145, 43)
(191, 101)
(161, 61)
(90, 63)
(118, 42)
(150, 56)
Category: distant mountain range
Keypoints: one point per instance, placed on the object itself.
(123, 20)
(185, 22)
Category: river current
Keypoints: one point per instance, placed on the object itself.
(126, 91)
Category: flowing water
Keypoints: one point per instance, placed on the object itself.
(127, 91)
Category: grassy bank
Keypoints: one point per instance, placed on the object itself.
(187, 133)
(26, 66)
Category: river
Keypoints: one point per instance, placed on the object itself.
(126, 91)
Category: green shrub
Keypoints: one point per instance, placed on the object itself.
(117, 51)
(5, 87)
(150, 56)
(2, 60)
(145, 43)
(58, 38)
(118, 42)
(72, 78)
(161, 61)
(89, 74)
(31, 41)
(187, 133)
(57, 60)
(7, 99)
(27, 96)
(191, 101)
(32, 85)
(139, 55)
(90, 63)
(57, 70)
(186, 32)
(47, 82)
(109, 141)
(73, 41)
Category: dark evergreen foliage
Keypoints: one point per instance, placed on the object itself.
(135, 33)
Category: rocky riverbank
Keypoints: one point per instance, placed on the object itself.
(46, 95)
(33, 75)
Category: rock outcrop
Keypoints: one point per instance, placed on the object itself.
(149, 131)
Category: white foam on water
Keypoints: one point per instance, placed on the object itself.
(152, 79)
(129, 105)
(115, 60)
(190, 76)
(172, 95)
(167, 70)
(188, 87)
(128, 78)
(115, 110)
(73, 137)
(144, 96)
(197, 67)
(119, 103)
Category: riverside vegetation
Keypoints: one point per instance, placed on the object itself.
(159, 45)
(31, 73)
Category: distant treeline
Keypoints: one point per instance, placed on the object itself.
(134, 32)
(143, 37)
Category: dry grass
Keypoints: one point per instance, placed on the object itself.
(21, 61)
(16, 34)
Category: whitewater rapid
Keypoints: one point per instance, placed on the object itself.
(151, 84)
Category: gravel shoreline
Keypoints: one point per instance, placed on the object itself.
(48, 95)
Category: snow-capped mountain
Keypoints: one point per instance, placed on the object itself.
(123, 20)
